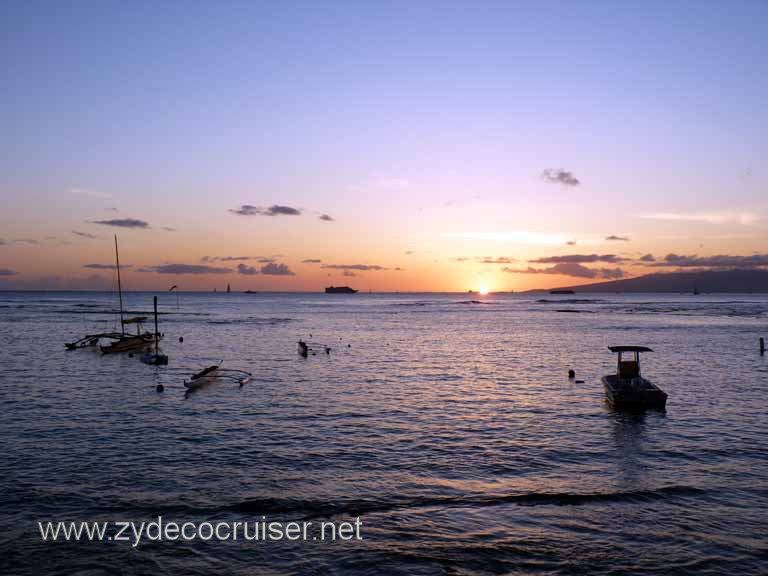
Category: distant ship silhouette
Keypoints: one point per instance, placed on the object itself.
(340, 290)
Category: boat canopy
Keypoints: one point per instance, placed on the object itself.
(618, 349)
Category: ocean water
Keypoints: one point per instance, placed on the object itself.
(447, 426)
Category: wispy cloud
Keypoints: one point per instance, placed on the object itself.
(168, 229)
(247, 270)
(571, 269)
(89, 193)
(274, 210)
(614, 238)
(105, 266)
(647, 258)
(325, 218)
(275, 269)
(233, 258)
(186, 269)
(513, 236)
(311, 261)
(580, 259)
(349, 273)
(269, 269)
(560, 176)
(7, 272)
(123, 223)
(359, 267)
(718, 261)
(486, 259)
(498, 260)
(717, 217)
(30, 241)
(84, 234)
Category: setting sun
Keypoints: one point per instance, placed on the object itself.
(483, 290)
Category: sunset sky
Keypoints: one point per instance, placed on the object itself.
(411, 146)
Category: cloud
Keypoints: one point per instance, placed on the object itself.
(647, 258)
(559, 176)
(311, 261)
(326, 218)
(499, 260)
(246, 270)
(30, 241)
(718, 261)
(516, 236)
(361, 267)
(84, 235)
(571, 269)
(408, 252)
(226, 258)
(7, 272)
(186, 269)
(2, 242)
(89, 193)
(349, 273)
(168, 229)
(275, 269)
(614, 238)
(106, 266)
(718, 217)
(571, 243)
(123, 223)
(274, 210)
(580, 259)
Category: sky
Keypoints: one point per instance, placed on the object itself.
(389, 146)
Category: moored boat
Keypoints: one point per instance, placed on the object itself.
(627, 389)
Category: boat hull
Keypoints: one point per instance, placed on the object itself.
(635, 394)
(128, 344)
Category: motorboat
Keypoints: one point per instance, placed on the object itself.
(627, 389)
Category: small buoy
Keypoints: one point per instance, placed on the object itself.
(349, 345)
(571, 373)
(579, 381)
(159, 387)
(181, 338)
(327, 350)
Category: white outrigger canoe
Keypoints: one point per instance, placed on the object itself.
(216, 372)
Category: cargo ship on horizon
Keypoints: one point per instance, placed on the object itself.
(340, 290)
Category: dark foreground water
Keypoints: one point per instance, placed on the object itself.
(448, 427)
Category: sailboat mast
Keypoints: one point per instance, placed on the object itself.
(119, 288)
(157, 334)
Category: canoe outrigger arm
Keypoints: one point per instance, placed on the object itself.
(216, 372)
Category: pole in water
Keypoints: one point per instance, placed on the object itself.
(762, 346)
(119, 287)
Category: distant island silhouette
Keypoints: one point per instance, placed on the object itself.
(749, 280)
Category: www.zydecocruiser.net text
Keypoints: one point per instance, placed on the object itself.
(160, 530)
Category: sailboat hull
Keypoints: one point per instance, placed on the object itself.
(128, 344)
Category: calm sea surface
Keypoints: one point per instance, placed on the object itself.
(449, 427)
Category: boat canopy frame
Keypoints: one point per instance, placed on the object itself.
(628, 369)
